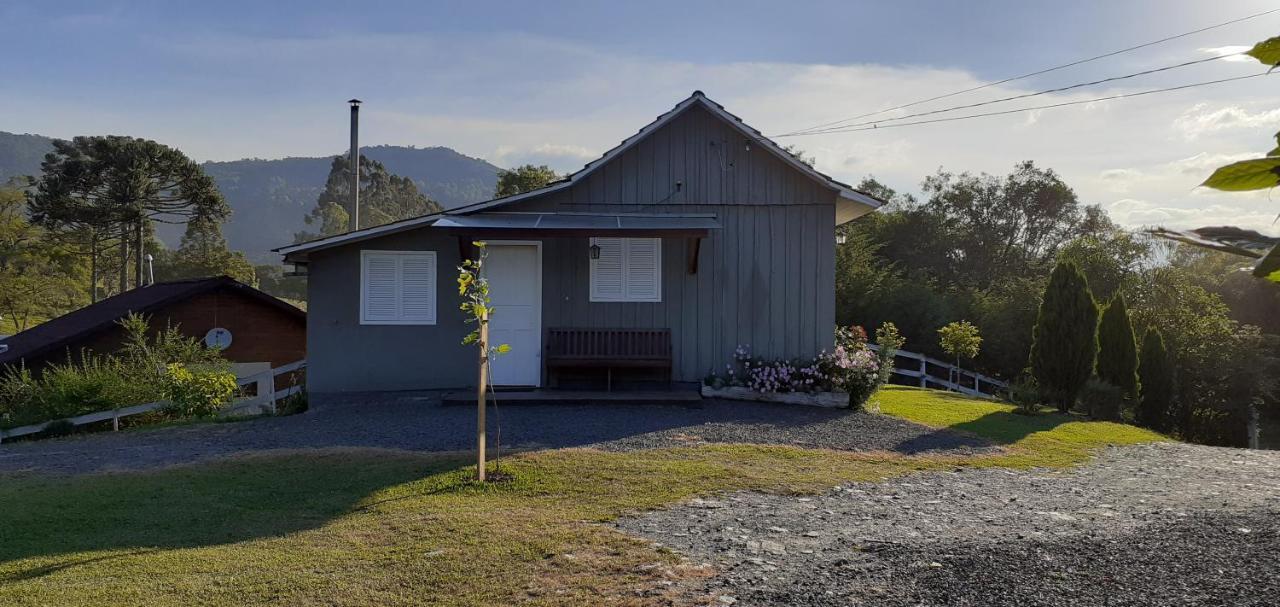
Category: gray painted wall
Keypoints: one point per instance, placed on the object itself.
(345, 356)
(767, 278)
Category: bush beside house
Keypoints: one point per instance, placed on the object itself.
(168, 366)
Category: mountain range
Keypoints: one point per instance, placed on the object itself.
(269, 198)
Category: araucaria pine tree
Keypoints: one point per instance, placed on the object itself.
(1155, 371)
(1118, 348)
(1065, 341)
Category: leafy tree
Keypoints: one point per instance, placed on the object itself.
(1007, 313)
(1157, 383)
(999, 227)
(271, 279)
(1065, 341)
(203, 253)
(120, 185)
(384, 198)
(1117, 348)
(889, 341)
(1111, 259)
(961, 340)
(1221, 367)
(39, 277)
(523, 179)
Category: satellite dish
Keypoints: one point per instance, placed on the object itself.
(217, 338)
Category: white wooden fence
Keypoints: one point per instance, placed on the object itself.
(966, 382)
(263, 401)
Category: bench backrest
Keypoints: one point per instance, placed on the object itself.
(629, 344)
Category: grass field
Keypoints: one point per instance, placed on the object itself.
(366, 527)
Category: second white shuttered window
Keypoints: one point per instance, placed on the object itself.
(628, 269)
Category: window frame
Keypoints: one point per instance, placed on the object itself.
(366, 254)
(625, 264)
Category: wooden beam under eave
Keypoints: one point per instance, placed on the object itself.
(695, 247)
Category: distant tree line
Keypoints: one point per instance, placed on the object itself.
(984, 248)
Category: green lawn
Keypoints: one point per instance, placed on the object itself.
(364, 527)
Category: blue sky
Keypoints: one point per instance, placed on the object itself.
(560, 82)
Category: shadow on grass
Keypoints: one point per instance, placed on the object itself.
(1000, 427)
(1006, 427)
(192, 506)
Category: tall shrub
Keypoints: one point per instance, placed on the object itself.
(1118, 348)
(890, 341)
(1155, 372)
(1065, 341)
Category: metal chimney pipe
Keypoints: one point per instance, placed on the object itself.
(355, 164)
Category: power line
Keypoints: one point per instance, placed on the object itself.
(873, 127)
(1042, 71)
(1015, 97)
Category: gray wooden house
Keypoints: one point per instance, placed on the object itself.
(691, 237)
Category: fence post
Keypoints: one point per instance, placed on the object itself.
(271, 390)
(924, 373)
(115, 420)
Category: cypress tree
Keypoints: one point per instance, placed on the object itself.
(1155, 371)
(1118, 348)
(1065, 341)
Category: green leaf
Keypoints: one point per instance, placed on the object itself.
(1276, 151)
(1269, 266)
(1246, 175)
(503, 349)
(1267, 51)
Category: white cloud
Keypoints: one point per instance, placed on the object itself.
(1136, 213)
(1201, 120)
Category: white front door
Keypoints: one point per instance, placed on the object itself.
(514, 271)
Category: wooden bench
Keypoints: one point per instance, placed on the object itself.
(609, 349)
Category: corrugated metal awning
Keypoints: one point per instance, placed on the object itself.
(580, 224)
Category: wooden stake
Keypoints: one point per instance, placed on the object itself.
(481, 385)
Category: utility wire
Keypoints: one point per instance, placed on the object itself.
(1013, 98)
(873, 127)
(1039, 72)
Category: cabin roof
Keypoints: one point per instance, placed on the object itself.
(851, 202)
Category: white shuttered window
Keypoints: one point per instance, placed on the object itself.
(629, 269)
(397, 287)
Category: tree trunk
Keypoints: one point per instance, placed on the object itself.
(141, 253)
(481, 386)
(124, 258)
(93, 266)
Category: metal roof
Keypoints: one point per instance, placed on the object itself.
(587, 223)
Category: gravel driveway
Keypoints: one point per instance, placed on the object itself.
(417, 421)
(1163, 524)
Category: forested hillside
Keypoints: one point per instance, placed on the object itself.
(270, 198)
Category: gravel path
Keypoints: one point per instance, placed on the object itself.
(1165, 524)
(419, 422)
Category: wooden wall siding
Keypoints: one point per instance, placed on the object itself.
(761, 281)
(766, 278)
(259, 332)
(696, 148)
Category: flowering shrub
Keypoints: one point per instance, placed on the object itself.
(855, 365)
(851, 366)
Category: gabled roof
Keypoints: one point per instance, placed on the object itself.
(852, 203)
(57, 333)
